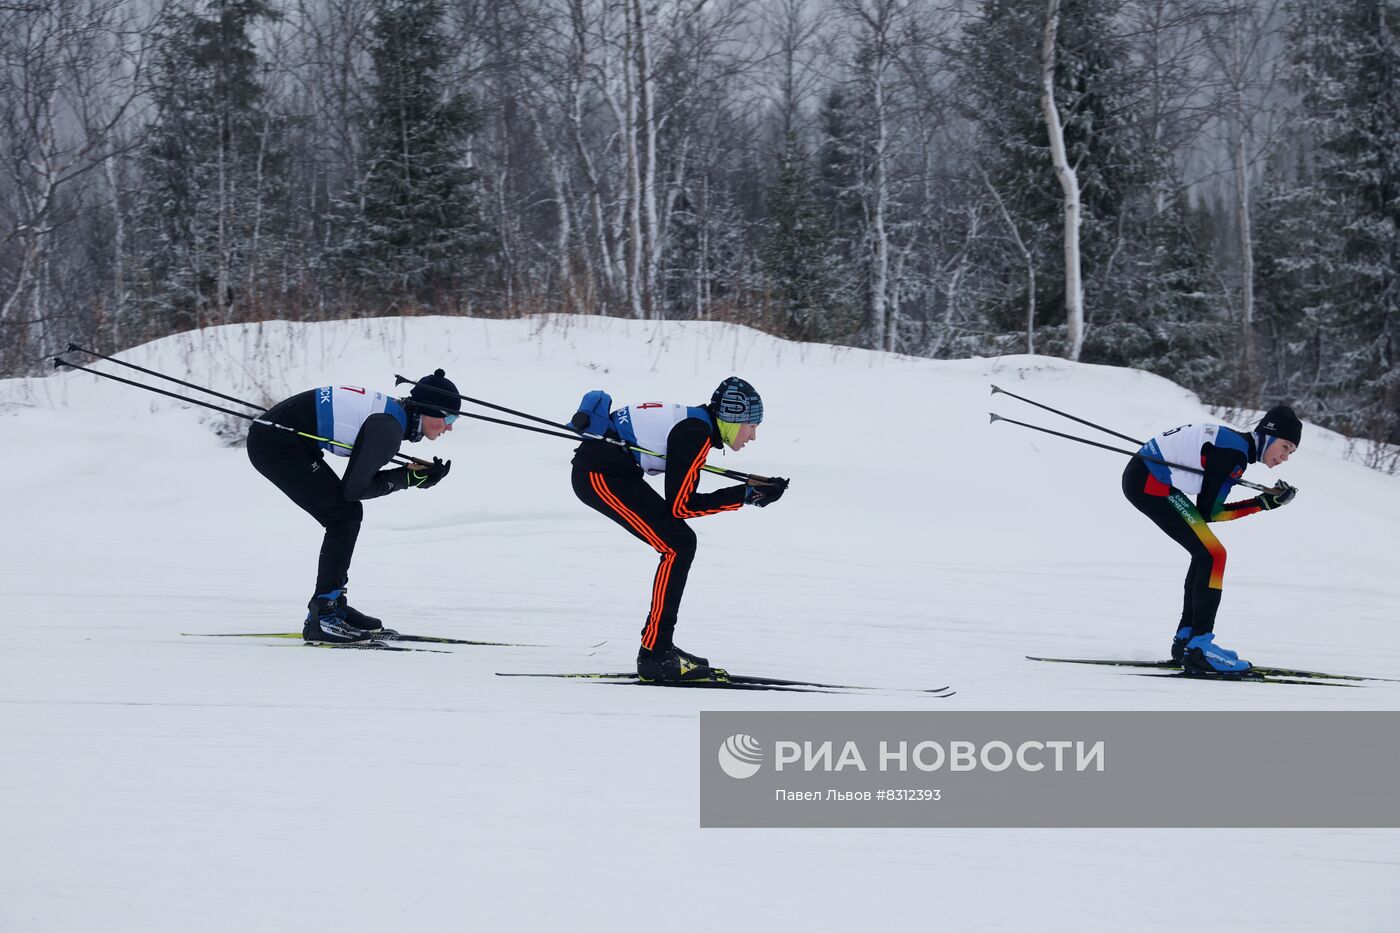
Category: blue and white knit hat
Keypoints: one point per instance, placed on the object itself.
(737, 402)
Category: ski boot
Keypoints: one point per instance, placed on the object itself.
(357, 619)
(671, 666)
(1183, 635)
(692, 658)
(1203, 656)
(326, 622)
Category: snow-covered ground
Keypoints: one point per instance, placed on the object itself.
(151, 781)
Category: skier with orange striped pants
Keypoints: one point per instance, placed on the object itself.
(609, 478)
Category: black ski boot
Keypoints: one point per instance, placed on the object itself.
(669, 666)
(692, 658)
(357, 619)
(326, 622)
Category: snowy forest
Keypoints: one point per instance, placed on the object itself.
(1206, 189)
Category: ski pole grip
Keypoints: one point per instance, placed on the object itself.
(400, 380)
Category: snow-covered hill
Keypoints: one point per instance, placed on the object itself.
(154, 781)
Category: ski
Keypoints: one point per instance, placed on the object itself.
(387, 635)
(721, 685)
(1174, 666)
(370, 645)
(1249, 677)
(736, 681)
(631, 680)
(492, 644)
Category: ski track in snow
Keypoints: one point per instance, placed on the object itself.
(152, 781)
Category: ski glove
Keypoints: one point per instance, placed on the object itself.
(767, 493)
(1281, 495)
(430, 475)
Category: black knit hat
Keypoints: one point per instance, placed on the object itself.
(435, 396)
(1281, 422)
(737, 402)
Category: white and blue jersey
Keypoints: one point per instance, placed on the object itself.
(649, 424)
(1187, 446)
(342, 410)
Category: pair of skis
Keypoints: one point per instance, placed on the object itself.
(727, 681)
(389, 641)
(1258, 675)
(379, 639)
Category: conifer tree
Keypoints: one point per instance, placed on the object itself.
(1343, 263)
(797, 261)
(415, 224)
(213, 161)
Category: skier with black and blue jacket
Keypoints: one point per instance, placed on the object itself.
(368, 427)
(610, 479)
(1183, 503)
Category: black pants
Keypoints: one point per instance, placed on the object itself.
(634, 505)
(1174, 512)
(302, 473)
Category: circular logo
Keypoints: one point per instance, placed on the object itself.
(741, 756)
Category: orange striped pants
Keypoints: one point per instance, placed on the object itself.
(633, 504)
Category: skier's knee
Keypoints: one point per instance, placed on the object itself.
(345, 516)
(682, 540)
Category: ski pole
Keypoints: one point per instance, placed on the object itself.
(1130, 453)
(721, 471)
(230, 398)
(401, 459)
(73, 347)
(159, 375)
(400, 380)
(1065, 414)
(584, 435)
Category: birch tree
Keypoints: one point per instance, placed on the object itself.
(1243, 46)
(877, 41)
(1069, 183)
(66, 91)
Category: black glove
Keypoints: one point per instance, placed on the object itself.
(430, 475)
(765, 493)
(1280, 495)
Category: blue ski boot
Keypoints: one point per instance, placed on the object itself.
(1203, 656)
(326, 621)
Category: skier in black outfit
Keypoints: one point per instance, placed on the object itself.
(1183, 503)
(368, 427)
(609, 479)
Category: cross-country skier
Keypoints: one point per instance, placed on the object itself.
(609, 478)
(1183, 503)
(375, 425)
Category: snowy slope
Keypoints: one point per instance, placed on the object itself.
(152, 781)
